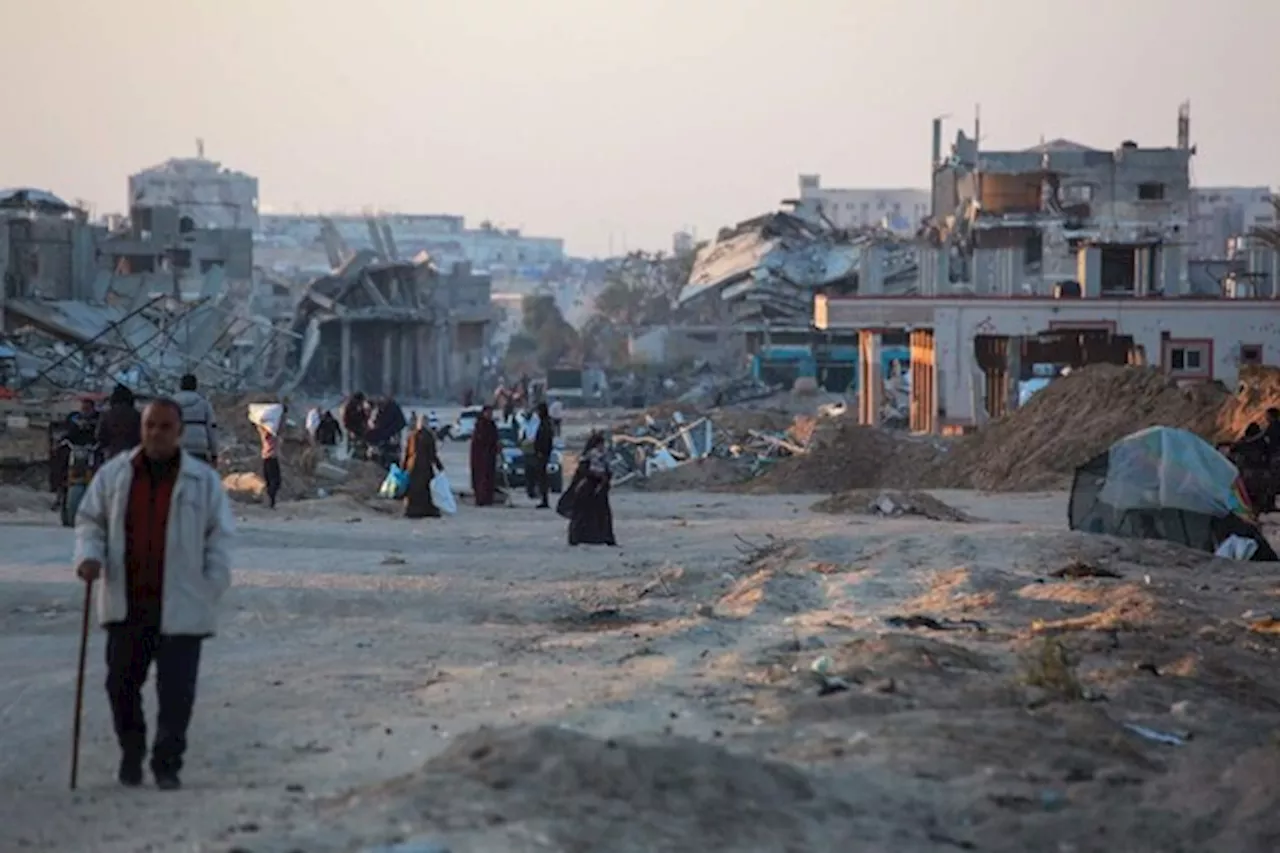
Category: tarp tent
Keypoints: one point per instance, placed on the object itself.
(1164, 483)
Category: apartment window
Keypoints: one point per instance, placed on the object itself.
(1151, 192)
(1077, 193)
(1189, 358)
(1182, 358)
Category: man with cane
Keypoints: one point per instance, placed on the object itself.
(155, 527)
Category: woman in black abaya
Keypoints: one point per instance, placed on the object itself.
(586, 501)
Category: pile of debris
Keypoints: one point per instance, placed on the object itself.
(1039, 445)
(841, 454)
(306, 472)
(726, 445)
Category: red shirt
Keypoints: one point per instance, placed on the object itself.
(145, 522)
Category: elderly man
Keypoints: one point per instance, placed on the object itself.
(155, 525)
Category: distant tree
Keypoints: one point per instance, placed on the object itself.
(545, 339)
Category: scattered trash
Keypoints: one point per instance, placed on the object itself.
(917, 620)
(827, 683)
(1167, 738)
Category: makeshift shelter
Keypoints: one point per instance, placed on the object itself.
(1165, 483)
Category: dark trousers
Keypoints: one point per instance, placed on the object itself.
(130, 650)
(536, 475)
(271, 475)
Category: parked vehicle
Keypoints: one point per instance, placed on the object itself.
(465, 425)
(511, 461)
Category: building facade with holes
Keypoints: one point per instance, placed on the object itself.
(966, 350)
(211, 195)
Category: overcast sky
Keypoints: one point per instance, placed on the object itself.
(612, 122)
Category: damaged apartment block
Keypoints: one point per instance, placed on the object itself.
(1062, 218)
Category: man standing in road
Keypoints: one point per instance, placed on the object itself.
(155, 526)
(543, 444)
(199, 422)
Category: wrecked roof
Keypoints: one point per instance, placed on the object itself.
(771, 266)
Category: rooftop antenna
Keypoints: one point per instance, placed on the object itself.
(199, 148)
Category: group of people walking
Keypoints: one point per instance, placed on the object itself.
(585, 503)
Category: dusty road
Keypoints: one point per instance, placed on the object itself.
(356, 646)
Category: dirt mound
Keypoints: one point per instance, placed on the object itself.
(878, 502)
(585, 793)
(1072, 420)
(697, 475)
(1257, 391)
(843, 455)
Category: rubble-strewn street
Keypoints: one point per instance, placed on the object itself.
(992, 683)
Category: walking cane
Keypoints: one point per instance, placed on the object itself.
(84, 647)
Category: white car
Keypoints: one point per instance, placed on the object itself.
(465, 426)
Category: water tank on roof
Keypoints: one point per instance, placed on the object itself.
(1128, 143)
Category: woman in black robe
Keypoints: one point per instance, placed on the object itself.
(484, 458)
(421, 462)
(586, 502)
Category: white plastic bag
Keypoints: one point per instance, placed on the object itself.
(266, 415)
(442, 494)
(1236, 548)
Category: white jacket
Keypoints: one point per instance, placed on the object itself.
(199, 424)
(197, 544)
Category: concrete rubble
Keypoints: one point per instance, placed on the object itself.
(769, 268)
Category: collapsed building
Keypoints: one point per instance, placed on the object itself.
(768, 268)
(83, 306)
(1032, 262)
(391, 327)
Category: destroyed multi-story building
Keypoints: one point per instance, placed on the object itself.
(1032, 260)
(1062, 214)
(206, 192)
(389, 327)
(84, 305)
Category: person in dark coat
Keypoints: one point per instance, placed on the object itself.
(543, 444)
(328, 431)
(1250, 455)
(484, 458)
(421, 462)
(586, 502)
(120, 429)
(355, 418)
(1271, 435)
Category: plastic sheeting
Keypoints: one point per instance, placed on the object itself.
(1161, 468)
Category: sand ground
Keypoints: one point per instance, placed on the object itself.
(357, 647)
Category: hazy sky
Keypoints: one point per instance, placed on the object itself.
(612, 120)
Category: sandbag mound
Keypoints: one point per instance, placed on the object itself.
(1072, 420)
